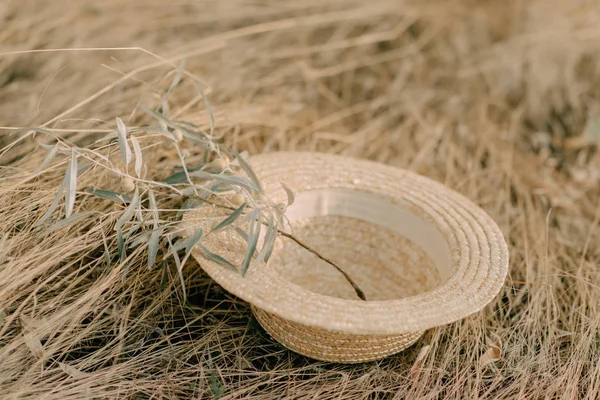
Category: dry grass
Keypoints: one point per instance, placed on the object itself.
(489, 97)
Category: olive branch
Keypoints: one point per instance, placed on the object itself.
(149, 211)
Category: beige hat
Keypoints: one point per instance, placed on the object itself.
(423, 254)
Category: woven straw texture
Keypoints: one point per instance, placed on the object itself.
(431, 257)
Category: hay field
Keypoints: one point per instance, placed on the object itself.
(498, 100)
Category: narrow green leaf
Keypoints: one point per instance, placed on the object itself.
(231, 218)
(66, 221)
(190, 135)
(289, 193)
(106, 250)
(269, 240)
(163, 281)
(138, 156)
(121, 246)
(179, 270)
(63, 151)
(54, 204)
(191, 190)
(123, 145)
(47, 160)
(241, 232)
(129, 211)
(108, 137)
(153, 208)
(153, 247)
(215, 257)
(208, 109)
(192, 240)
(71, 193)
(176, 81)
(234, 180)
(179, 245)
(180, 177)
(140, 239)
(253, 234)
(189, 204)
(251, 174)
(186, 123)
(109, 195)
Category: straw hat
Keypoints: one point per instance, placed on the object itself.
(424, 255)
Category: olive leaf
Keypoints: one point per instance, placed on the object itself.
(120, 245)
(109, 195)
(179, 269)
(289, 193)
(153, 208)
(61, 150)
(123, 145)
(71, 178)
(64, 222)
(138, 156)
(234, 180)
(192, 240)
(129, 211)
(248, 169)
(188, 243)
(141, 238)
(153, 243)
(106, 250)
(269, 240)
(176, 81)
(215, 257)
(230, 218)
(180, 177)
(241, 232)
(253, 234)
(47, 160)
(189, 204)
(190, 135)
(211, 117)
(54, 204)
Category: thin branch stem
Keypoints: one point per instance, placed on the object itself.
(357, 289)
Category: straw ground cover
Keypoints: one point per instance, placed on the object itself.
(498, 100)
